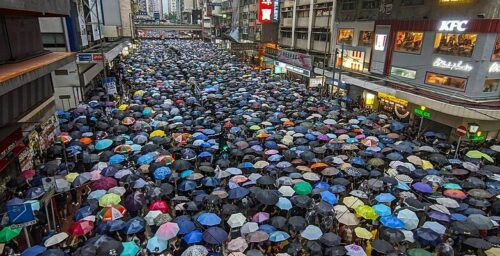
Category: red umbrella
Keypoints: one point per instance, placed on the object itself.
(103, 183)
(28, 174)
(81, 228)
(159, 205)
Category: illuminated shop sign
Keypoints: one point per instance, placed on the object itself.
(276, 11)
(266, 11)
(380, 41)
(453, 25)
(459, 65)
(494, 68)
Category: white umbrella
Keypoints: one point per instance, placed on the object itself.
(311, 233)
(286, 191)
(236, 220)
(448, 202)
(150, 217)
(249, 227)
(55, 239)
(117, 190)
(195, 250)
(440, 208)
(435, 226)
(409, 218)
(408, 235)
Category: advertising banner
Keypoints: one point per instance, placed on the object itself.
(93, 4)
(266, 8)
(296, 59)
(81, 23)
(110, 85)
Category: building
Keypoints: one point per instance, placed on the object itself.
(188, 11)
(27, 120)
(444, 55)
(99, 40)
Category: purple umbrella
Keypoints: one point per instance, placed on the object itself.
(422, 187)
(438, 216)
(215, 235)
(103, 183)
(135, 202)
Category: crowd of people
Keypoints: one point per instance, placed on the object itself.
(208, 156)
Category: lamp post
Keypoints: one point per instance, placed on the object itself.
(421, 121)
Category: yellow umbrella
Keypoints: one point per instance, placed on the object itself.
(427, 165)
(344, 166)
(352, 202)
(123, 107)
(493, 251)
(109, 199)
(70, 177)
(366, 212)
(139, 93)
(363, 233)
(157, 133)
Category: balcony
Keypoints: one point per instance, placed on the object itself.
(286, 41)
(323, 1)
(319, 46)
(301, 44)
(321, 22)
(303, 2)
(38, 8)
(286, 22)
(303, 22)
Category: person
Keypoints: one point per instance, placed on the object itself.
(445, 248)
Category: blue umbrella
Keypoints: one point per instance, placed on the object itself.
(193, 237)
(103, 144)
(156, 245)
(394, 156)
(215, 236)
(328, 197)
(109, 171)
(238, 193)
(161, 173)
(146, 159)
(209, 219)
(83, 212)
(284, 204)
(208, 131)
(358, 161)
(73, 150)
(321, 185)
(397, 126)
(382, 210)
(186, 173)
(34, 251)
(134, 225)
(96, 194)
(385, 197)
(116, 159)
(337, 188)
(185, 225)
(187, 185)
(392, 222)
(267, 228)
(275, 158)
(246, 165)
(34, 192)
(278, 236)
(205, 154)
(426, 237)
(210, 181)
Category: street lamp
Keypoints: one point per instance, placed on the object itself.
(473, 128)
(423, 108)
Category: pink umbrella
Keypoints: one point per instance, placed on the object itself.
(260, 217)
(272, 152)
(167, 231)
(323, 137)
(103, 183)
(95, 175)
(359, 137)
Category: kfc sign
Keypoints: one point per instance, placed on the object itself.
(266, 11)
(453, 25)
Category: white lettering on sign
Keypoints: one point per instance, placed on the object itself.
(451, 25)
(459, 65)
(494, 68)
(266, 14)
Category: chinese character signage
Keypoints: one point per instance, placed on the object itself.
(276, 11)
(266, 11)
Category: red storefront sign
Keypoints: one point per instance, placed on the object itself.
(97, 57)
(12, 144)
(266, 8)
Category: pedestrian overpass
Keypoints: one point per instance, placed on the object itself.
(168, 27)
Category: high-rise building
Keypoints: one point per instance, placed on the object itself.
(397, 56)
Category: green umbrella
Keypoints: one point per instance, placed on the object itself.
(255, 128)
(418, 252)
(130, 249)
(9, 233)
(302, 188)
(479, 154)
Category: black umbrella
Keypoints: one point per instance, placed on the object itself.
(229, 209)
(478, 243)
(336, 250)
(297, 222)
(180, 165)
(438, 159)
(464, 228)
(267, 196)
(324, 209)
(266, 180)
(392, 235)
(53, 252)
(294, 248)
(301, 201)
(314, 247)
(278, 221)
(330, 239)
(382, 246)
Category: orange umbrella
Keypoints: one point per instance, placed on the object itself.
(262, 135)
(454, 193)
(318, 165)
(288, 123)
(303, 168)
(86, 141)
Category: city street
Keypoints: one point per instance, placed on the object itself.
(207, 155)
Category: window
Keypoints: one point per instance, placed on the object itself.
(61, 72)
(408, 41)
(287, 34)
(492, 85)
(348, 5)
(496, 51)
(370, 4)
(303, 13)
(403, 72)
(52, 40)
(411, 2)
(453, 82)
(301, 35)
(320, 37)
(345, 36)
(322, 12)
(455, 44)
(287, 14)
(365, 38)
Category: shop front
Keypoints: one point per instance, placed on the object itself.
(293, 66)
(387, 103)
(11, 147)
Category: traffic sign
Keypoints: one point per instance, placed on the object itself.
(461, 130)
(422, 113)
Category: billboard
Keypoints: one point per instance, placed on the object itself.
(296, 59)
(94, 19)
(266, 8)
(81, 23)
(276, 11)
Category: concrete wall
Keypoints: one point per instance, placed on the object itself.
(125, 10)
(378, 57)
(111, 9)
(51, 25)
(67, 85)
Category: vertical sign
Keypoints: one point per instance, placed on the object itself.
(276, 11)
(81, 23)
(265, 11)
(110, 85)
(94, 19)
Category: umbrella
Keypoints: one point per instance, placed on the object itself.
(112, 212)
(134, 225)
(195, 250)
(392, 222)
(478, 243)
(409, 218)
(209, 219)
(9, 233)
(214, 235)
(237, 245)
(311, 232)
(236, 220)
(55, 239)
(257, 236)
(167, 231)
(34, 250)
(156, 245)
(480, 221)
(382, 246)
(130, 248)
(362, 233)
(109, 199)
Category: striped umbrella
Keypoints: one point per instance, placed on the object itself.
(123, 149)
(165, 159)
(64, 138)
(128, 120)
(112, 212)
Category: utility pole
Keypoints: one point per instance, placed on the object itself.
(325, 56)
